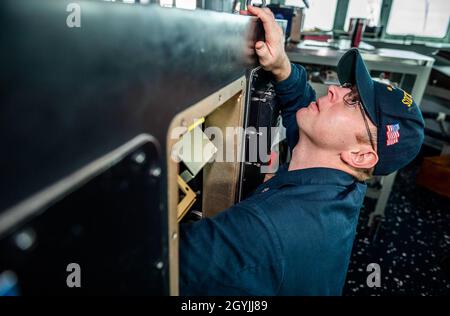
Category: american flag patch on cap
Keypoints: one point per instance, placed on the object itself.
(392, 134)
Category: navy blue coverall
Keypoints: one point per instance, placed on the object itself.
(293, 236)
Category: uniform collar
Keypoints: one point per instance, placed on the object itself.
(310, 176)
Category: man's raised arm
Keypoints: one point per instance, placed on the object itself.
(291, 85)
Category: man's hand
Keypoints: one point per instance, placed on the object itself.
(272, 56)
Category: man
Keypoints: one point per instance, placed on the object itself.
(294, 235)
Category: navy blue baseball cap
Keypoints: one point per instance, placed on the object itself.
(393, 111)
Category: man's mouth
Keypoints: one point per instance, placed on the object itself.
(315, 106)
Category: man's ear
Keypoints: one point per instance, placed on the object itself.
(361, 158)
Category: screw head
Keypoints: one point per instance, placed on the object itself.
(155, 172)
(139, 158)
(25, 239)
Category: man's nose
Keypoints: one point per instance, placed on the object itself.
(333, 93)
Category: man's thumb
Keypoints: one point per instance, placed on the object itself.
(261, 48)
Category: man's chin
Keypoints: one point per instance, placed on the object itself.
(302, 116)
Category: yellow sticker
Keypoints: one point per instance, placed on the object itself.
(195, 124)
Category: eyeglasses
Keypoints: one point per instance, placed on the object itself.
(352, 99)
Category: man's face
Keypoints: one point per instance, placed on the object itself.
(331, 124)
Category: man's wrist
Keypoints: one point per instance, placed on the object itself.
(283, 72)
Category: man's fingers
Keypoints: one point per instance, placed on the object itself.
(268, 51)
(267, 18)
(253, 10)
(262, 51)
(260, 13)
(259, 45)
(269, 12)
